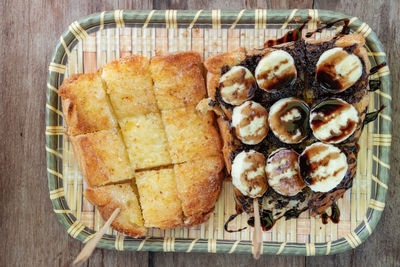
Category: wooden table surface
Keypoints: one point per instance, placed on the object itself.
(30, 233)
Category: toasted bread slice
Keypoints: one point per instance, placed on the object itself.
(199, 184)
(130, 86)
(102, 157)
(214, 65)
(146, 141)
(159, 198)
(357, 94)
(108, 198)
(191, 135)
(85, 104)
(178, 79)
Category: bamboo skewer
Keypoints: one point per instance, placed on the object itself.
(91, 245)
(257, 234)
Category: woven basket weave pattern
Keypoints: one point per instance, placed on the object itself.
(101, 38)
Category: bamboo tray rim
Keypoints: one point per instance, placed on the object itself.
(217, 19)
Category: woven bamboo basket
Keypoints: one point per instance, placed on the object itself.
(100, 38)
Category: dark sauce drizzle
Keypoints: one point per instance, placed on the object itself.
(267, 220)
(345, 30)
(290, 36)
(335, 215)
(373, 115)
(231, 218)
(377, 68)
(374, 85)
(266, 216)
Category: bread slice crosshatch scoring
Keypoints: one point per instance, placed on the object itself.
(157, 136)
(135, 148)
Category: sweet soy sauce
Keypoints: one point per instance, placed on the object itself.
(345, 30)
(267, 220)
(295, 35)
(335, 215)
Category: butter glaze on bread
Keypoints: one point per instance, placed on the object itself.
(201, 178)
(102, 157)
(130, 86)
(147, 115)
(110, 197)
(85, 104)
(146, 141)
(191, 135)
(178, 79)
(159, 198)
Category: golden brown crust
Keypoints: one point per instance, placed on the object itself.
(130, 86)
(349, 40)
(178, 79)
(212, 84)
(215, 63)
(191, 135)
(85, 105)
(199, 184)
(102, 157)
(228, 142)
(159, 198)
(108, 198)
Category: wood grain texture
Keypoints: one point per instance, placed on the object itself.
(30, 232)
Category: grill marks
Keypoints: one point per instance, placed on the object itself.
(323, 166)
(283, 172)
(237, 85)
(332, 73)
(288, 119)
(336, 116)
(275, 71)
(249, 122)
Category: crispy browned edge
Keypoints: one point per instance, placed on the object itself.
(106, 207)
(198, 210)
(76, 123)
(89, 161)
(175, 219)
(134, 60)
(215, 63)
(187, 58)
(209, 191)
(191, 64)
(86, 159)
